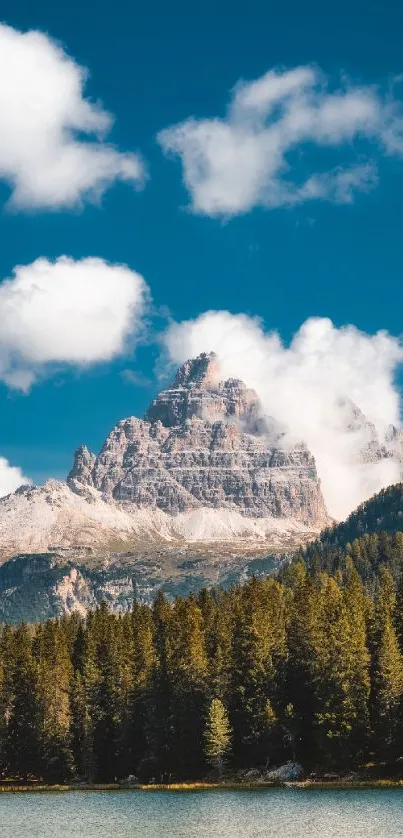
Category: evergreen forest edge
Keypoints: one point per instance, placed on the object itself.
(306, 667)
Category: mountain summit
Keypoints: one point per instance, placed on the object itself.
(197, 392)
(204, 444)
(205, 489)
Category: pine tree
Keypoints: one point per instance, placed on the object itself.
(187, 675)
(216, 609)
(257, 656)
(3, 704)
(138, 738)
(359, 668)
(54, 674)
(22, 743)
(157, 761)
(299, 697)
(398, 611)
(80, 732)
(217, 735)
(340, 669)
(102, 680)
(387, 671)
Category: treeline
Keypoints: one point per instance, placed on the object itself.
(371, 537)
(381, 513)
(308, 669)
(368, 555)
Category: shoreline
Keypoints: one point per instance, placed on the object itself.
(310, 785)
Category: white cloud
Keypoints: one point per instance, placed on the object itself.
(11, 477)
(306, 386)
(233, 164)
(51, 137)
(67, 312)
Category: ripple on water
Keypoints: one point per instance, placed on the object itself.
(364, 813)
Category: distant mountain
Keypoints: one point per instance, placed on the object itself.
(205, 490)
(204, 445)
(205, 465)
(199, 492)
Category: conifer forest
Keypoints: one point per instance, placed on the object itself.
(305, 667)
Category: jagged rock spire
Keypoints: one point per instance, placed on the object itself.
(197, 392)
(198, 372)
(81, 471)
(204, 443)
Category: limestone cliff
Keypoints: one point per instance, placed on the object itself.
(204, 443)
(204, 490)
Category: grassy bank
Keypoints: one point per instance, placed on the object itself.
(317, 785)
(41, 787)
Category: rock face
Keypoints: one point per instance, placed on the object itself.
(197, 393)
(366, 442)
(204, 444)
(204, 490)
(36, 587)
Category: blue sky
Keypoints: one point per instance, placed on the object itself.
(155, 65)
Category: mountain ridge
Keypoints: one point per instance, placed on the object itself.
(204, 443)
(205, 490)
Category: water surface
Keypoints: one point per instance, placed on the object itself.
(273, 813)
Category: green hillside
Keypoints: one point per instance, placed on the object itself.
(370, 537)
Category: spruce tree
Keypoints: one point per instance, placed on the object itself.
(22, 740)
(160, 731)
(139, 744)
(341, 677)
(102, 682)
(54, 676)
(387, 671)
(299, 697)
(258, 655)
(217, 735)
(187, 674)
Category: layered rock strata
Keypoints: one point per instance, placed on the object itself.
(204, 444)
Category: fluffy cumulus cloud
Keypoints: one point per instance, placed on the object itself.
(316, 387)
(11, 477)
(67, 312)
(52, 148)
(254, 156)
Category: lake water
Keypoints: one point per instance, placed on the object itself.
(288, 813)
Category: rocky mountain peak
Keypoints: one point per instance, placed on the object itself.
(184, 497)
(198, 372)
(369, 444)
(83, 463)
(204, 444)
(197, 392)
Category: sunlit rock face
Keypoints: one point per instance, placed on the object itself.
(204, 490)
(204, 443)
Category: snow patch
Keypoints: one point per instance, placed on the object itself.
(52, 517)
(223, 524)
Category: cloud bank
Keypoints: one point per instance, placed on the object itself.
(11, 477)
(52, 152)
(253, 156)
(67, 312)
(309, 387)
